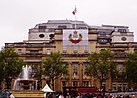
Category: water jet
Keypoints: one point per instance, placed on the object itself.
(25, 80)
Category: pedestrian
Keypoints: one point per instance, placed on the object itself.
(45, 94)
(49, 95)
(11, 95)
(61, 95)
(68, 95)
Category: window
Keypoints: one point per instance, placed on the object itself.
(103, 87)
(51, 30)
(85, 83)
(123, 38)
(86, 49)
(42, 28)
(122, 30)
(62, 27)
(120, 68)
(125, 86)
(64, 76)
(75, 83)
(114, 86)
(34, 51)
(51, 36)
(85, 68)
(119, 86)
(64, 83)
(41, 35)
(19, 51)
(82, 27)
(64, 49)
(102, 40)
(48, 51)
(75, 49)
(75, 68)
(102, 33)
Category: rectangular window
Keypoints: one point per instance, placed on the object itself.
(64, 49)
(86, 49)
(85, 68)
(64, 83)
(75, 68)
(34, 51)
(103, 87)
(51, 29)
(122, 30)
(85, 83)
(75, 83)
(42, 28)
(62, 27)
(75, 49)
(125, 86)
(119, 86)
(64, 76)
(48, 51)
(19, 51)
(119, 67)
(102, 33)
(114, 86)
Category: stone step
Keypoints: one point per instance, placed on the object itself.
(28, 94)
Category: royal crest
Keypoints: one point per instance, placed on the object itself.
(75, 37)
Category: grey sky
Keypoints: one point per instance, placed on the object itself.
(18, 16)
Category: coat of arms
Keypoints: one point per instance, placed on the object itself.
(75, 37)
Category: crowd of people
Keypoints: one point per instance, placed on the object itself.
(91, 95)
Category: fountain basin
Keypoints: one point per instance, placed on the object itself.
(25, 84)
(28, 93)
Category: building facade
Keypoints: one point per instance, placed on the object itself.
(76, 40)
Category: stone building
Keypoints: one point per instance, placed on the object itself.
(75, 44)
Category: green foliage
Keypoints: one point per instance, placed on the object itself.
(101, 65)
(10, 65)
(53, 66)
(131, 67)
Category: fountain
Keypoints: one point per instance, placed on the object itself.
(25, 86)
(25, 81)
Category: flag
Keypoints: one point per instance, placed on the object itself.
(74, 12)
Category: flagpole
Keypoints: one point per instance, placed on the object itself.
(75, 17)
(75, 22)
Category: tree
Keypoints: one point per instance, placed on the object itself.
(53, 67)
(10, 65)
(131, 67)
(101, 66)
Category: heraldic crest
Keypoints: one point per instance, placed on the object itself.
(75, 37)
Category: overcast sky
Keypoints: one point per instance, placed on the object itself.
(18, 16)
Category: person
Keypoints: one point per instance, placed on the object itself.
(45, 94)
(11, 95)
(49, 95)
(61, 95)
(78, 96)
(68, 95)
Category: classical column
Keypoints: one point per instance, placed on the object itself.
(81, 71)
(70, 74)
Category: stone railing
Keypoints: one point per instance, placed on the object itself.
(120, 55)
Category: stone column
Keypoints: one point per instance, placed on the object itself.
(81, 74)
(70, 74)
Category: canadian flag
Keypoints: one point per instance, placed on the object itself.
(74, 12)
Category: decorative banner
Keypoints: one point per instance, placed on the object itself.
(75, 37)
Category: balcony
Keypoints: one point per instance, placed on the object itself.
(76, 55)
(104, 36)
(120, 55)
(119, 45)
(35, 55)
(28, 45)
